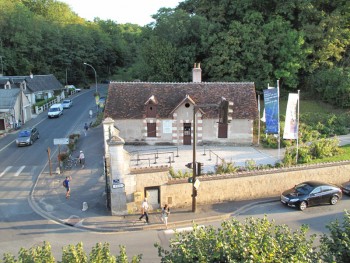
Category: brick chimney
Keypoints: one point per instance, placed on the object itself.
(197, 73)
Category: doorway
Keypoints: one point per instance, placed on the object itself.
(187, 133)
(152, 194)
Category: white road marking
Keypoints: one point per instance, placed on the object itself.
(7, 168)
(19, 170)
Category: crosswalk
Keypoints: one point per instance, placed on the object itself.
(15, 170)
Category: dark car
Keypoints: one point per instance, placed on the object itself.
(311, 193)
(345, 187)
(27, 136)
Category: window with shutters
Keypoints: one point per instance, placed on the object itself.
(151, 130)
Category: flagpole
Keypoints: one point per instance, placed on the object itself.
(278, 118)
(259, 120)
(296, 155)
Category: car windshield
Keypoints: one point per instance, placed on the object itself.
(66, 101)
(303, 188)
(24, 134)
(54, 109)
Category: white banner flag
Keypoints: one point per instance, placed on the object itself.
(291, 124)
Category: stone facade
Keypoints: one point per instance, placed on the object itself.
(213, 188)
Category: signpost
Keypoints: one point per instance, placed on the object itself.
(59, 141)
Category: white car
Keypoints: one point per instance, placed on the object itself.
(67, 103)
(55, 111)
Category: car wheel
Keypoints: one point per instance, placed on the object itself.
(334, 200)
(31, 142)
(38, 136)
(302, 205)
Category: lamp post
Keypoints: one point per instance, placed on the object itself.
(95, 74)
(194, 146)
(2, 67)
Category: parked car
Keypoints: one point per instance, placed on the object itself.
(27, 136)
(311, 193)
(67, 103)
(345, 187)
(55, 111)
(71, 89)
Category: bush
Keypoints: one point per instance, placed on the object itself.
(335, 248)
(324, 148)
(226, 168)
(62, 156)
(179, 174)
(255, 240)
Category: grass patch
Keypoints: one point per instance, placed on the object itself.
(345, 156)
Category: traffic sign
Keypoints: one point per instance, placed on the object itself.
(120, 185)
(196, 184)
(60, 141)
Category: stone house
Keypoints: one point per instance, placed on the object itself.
(35, 87)
(162, 113)
(14, 108)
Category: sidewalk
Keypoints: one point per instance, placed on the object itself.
(88, 185)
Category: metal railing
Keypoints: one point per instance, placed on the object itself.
(156, 154)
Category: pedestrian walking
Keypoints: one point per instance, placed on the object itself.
(66, 184)
(86, 127)
(144, 210)
(82, 159)
(165, 215)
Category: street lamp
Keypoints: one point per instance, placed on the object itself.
(95, 74)
(2, 67)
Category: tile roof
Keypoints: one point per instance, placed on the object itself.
(35, 84)
(8, 98)
(126, 100)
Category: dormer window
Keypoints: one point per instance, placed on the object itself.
(151, 107)
(151, 111)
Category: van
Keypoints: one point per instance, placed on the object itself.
(55, 111)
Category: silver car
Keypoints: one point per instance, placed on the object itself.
(27, 136)
(67, 104)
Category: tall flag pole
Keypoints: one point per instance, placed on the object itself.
(278, 110)
(298, 126)
(259, 119)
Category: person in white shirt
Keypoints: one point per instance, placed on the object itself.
(144, 210)
(82, 159)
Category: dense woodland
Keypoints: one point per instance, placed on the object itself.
(304, 43)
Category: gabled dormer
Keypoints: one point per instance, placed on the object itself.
(187, 102)
(151, 106)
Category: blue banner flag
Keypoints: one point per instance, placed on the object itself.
(271, 110)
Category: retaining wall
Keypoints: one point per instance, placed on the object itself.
(251, 185)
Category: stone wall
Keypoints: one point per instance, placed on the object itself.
(251, 185)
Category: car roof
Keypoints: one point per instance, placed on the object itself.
(315, 183)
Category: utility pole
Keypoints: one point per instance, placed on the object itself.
(194, 165)
(194, 145)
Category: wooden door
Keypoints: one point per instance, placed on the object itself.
(187, 134)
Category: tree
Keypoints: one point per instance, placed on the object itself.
(336, 246)
(255, 240)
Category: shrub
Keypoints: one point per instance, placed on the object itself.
(250, 165)
(226, 168)
(255, 240)
(335, 247)
(63, 156)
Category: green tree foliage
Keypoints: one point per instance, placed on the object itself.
(100, 253)
(255, 240)
(335, 247)
(46, 37)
